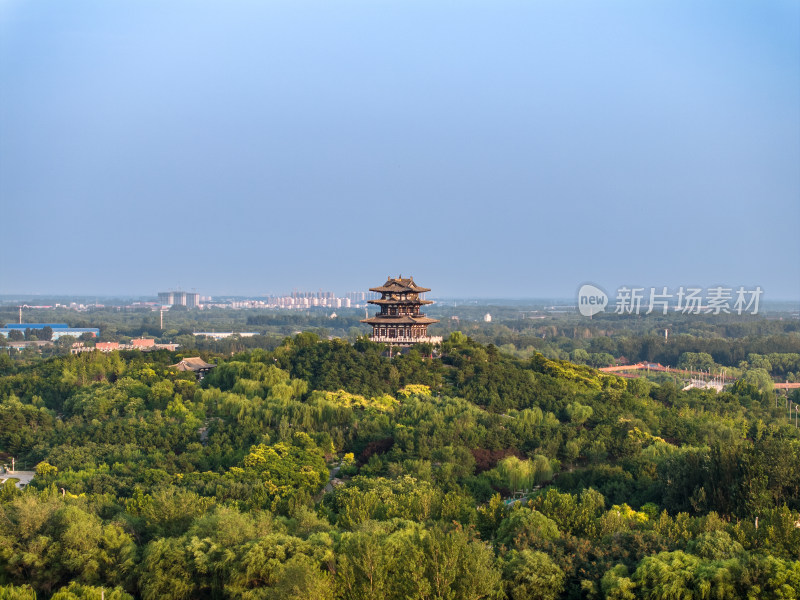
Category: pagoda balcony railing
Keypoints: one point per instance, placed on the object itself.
(385, 339)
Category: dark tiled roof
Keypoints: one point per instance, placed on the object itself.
(195, 363)
(398, 284)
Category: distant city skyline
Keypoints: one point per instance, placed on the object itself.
(498, 150)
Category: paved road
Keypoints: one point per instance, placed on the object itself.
(334, 473)
(23, 476)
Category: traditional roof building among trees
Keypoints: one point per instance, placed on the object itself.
(194, 363)
(399, 321)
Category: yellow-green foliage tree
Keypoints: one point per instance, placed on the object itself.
(289, 468)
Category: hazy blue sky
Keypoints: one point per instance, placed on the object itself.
(487, 148)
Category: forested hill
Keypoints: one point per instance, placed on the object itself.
(327, 470)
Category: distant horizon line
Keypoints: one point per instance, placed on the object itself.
(8, 297)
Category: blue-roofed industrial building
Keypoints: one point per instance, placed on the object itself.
(59, 329)
(25, 326)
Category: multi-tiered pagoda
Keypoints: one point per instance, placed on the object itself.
(399, 321)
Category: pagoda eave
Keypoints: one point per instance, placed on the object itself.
(399, 320)
(389, 301)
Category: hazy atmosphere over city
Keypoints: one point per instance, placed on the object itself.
(496, 149)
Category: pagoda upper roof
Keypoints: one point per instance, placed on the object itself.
(400, 285)
(399, 320)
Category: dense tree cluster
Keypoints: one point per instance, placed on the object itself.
(325, 469)
(694, 342)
